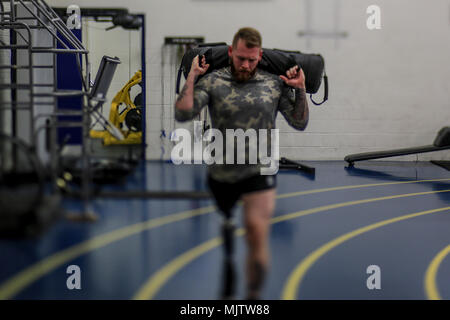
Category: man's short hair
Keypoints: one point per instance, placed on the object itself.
(251, 37)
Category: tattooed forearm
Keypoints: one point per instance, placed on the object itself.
(301, 111)
(182, 93)
(185, 100)
(188, 104)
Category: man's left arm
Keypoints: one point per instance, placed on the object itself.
(294, 109)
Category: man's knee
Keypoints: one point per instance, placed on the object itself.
(258, 217)
(257, 229)
(256, 220)
(261, 203)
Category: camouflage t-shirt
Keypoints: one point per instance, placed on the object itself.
(253, 104)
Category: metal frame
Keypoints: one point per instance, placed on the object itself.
(43, 18)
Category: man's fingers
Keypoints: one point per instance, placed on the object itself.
(199, 66)
(203, 62)
(195, 61)
(292, 72)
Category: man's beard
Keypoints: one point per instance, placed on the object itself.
(241, 76)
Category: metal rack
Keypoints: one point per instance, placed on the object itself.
(26, 20)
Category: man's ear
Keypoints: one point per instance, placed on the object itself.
(230, 51)
(260, 54)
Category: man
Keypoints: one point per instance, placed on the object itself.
(242, 96)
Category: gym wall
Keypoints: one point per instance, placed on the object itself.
(389, 88)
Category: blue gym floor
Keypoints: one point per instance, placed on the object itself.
(325, 233)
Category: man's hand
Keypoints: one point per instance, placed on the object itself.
(185, 100)
(199, 69)
(294, 78)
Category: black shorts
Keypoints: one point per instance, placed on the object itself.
(227, 194)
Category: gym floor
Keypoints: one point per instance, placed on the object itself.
(325, 233)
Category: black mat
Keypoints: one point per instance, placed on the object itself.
(443, 164)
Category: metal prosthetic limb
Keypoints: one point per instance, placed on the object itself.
(229, 279)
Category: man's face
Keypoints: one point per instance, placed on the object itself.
(244, 60)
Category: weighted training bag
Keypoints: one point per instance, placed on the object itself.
(275, 61)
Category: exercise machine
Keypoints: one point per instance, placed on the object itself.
(441, 142)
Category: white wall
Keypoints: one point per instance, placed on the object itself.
(389, 88)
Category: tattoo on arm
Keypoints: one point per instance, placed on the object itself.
(301, 112)
(300, 104)
(182, 93)
(294, 108)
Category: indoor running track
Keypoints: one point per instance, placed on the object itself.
(325, 233)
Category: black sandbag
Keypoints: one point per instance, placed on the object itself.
(279, 61)
(216, 55)
(273, 60)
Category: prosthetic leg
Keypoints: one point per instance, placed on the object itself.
(225, 200)
(229, 272)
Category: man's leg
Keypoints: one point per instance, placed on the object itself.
(258, 209)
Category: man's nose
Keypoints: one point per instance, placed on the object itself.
(245, 64)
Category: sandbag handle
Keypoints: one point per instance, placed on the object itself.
(325, 94)
(180, 71)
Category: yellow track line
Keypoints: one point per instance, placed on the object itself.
(24, 278)
(431, 290)
(162, 276)
(299, 193)
(27, 276)
(158, 279)
(294, 280)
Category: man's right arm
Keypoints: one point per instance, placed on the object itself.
(188, 104)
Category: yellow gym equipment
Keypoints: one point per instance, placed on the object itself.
(121, 105)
